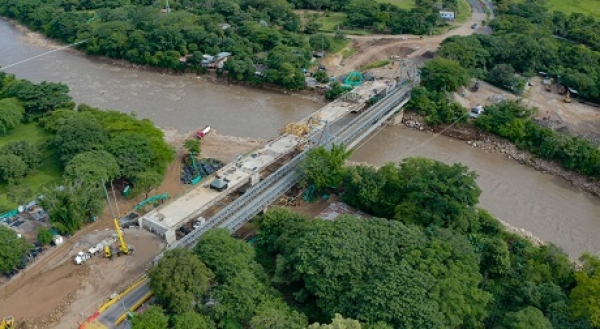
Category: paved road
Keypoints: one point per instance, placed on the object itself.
(110, 316)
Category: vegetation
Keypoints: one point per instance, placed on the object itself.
(377, 64)
(12, 249)
(44, 236)
(512, 121)
(436, 107)
(324, 168)
(85, 147)
(437, 262)
(565, 46)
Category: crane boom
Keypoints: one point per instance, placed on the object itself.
(123, 246)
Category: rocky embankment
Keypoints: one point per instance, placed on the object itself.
(495, 144)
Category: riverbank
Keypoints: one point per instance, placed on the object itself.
(494, 144)
(37, 39)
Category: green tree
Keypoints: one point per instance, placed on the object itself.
(338, 322)
(12, 249)
(192, 320)
(44, 236)
(334, 91)
(585, 297)
(40, 98)
(274, 313)
(92, 166)
(152, 318)
(433, 193)
(28, 152)
(147, 181)
(11, 114)
(12, 168)
(344, 265)
(226, 256)
(180, 280)
(77, 134)
(442, 74)
(133, 153)
(527, 318)
(72, 206)
(324, 168)
(192, 145)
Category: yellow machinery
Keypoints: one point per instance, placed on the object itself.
(124, 249)
(7, 323)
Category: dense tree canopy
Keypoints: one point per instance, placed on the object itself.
(12, 168)
(444, 74)
(585, 297)
(528, 39)
(369, 270)
(12, 249)
(11, 114)
(39, 98)
(180, 280)
(28, 152)
(324, 168)
(77, 134)
(92, 166)
(152, 318)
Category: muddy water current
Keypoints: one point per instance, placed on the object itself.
(171, 101)
(542, 204)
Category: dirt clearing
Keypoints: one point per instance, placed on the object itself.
(67, 294)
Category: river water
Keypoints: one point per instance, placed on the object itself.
(170, 101)
(542, 204)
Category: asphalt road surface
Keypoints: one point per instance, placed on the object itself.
(110, 316)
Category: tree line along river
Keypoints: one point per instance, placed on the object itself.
(542, 204)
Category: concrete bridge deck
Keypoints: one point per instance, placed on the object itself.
(246, 171)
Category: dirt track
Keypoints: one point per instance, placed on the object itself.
(44, 295)
(379, 47)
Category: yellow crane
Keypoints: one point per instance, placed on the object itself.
(7, 323)
(124, 249)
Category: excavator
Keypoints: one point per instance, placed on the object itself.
(123, 249)
(7, 323)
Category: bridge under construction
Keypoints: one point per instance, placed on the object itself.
(248, 170)
(331, 124)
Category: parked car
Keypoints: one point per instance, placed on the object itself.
(474, 26)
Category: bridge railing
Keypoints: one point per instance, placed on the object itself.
(253, 195)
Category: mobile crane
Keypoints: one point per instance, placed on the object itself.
(7, 323)
(123, 249)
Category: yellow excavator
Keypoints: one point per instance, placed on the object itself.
(7, 323)
(123, 249)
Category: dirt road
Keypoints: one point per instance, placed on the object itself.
(373, 48)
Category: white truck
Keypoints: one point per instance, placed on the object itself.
(82, 257)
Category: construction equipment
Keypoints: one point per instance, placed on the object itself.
(568, 98)
(123, 249)
(7, 323)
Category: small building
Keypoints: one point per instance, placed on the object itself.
(221, 58)
(224, 26)
(319, 54)
(310, 82)
(447, 15)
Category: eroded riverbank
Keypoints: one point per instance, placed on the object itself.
(547, 206)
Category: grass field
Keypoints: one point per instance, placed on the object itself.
(49, 171)
(331, 21)
(576, 6)
(405, 4)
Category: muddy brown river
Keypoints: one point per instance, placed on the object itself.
(170, 101)
(542, 204)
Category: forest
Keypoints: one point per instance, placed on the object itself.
(258, 33)
(528, 39)
(46, 143)
(428, 258)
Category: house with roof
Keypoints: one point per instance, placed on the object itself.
(215, 62)
(447, 15)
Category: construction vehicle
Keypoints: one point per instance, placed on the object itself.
(84, 256)
(111, 251)
(7, 323)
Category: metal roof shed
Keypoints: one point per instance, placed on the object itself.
(218, 184)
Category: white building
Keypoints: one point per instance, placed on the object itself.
(447, 15)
